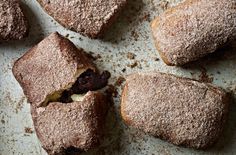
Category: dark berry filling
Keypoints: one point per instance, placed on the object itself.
(72, 151)
(88, 81)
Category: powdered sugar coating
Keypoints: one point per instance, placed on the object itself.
(88, 17)
(13, 25)
(179, 110)
(78, 124)
(49, 68)
(194, 29)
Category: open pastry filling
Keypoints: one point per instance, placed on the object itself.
(87, 81)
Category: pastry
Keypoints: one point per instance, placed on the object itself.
(76, 126)
(61, 83)
(52, 67)
(194, 29)
(13, 24)
(180, 110)
(90, 18)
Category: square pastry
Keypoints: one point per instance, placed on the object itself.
(90, 18)
(50, 68)
(72, 127)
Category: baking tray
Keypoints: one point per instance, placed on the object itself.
(130, 34)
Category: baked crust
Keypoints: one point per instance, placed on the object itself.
(49, 68)
(13, 24)
(194, 29)
(90, 18)
(182, 111)
(79, 125)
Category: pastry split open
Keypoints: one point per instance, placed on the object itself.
(60, 82)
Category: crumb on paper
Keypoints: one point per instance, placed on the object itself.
(131, 55)
(164, 5)
(147, 17)
(133, 65)
(92, 56)
(20, 104)
(156, 59)
(203, 77)
(119, 81)
(28, 130)
(135, 35)
(112, 91)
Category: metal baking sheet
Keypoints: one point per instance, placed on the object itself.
(131, 34)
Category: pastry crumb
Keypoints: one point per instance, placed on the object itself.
(131, 55)
(28, 130)
(133, 65)
(119, 81)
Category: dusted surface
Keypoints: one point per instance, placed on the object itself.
(194, 29)
(49, 68)
(60, 126)
(13, 24)
(131, 34)
(88, 17)
(181, 111)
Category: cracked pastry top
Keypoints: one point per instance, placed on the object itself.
(88, 17)
(50, 68)
(72, 127)
(61, 83)
(13, 24)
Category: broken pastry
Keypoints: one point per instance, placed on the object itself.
(13, 24)
(90, 18)
(180, 110)
(194, 29)
(73, 126)
(60, 82)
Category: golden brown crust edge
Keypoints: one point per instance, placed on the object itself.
(123, 100)
(154, 24)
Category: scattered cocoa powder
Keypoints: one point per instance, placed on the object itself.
(203, 77)
(135, 35)
(164, 5)
(133, 65)
(112, 91)
(123, 70)
(28, 130)
(131, 55)
(119, 81)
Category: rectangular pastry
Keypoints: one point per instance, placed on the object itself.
(180, 110)
(88, 17)
(194, 29)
